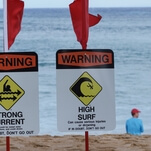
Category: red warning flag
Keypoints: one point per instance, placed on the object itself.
(15, 10)
(82, 20)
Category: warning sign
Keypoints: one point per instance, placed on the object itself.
(18, 62)
(84, 59)
(86, 88)
(10, 92)
(19, 94)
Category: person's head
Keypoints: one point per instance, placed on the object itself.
(135, 112)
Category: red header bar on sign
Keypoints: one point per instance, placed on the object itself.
(85, 58)
(14, 61)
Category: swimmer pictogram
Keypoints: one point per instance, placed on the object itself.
(10, 92)
(86, 88)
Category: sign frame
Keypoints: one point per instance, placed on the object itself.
(19, 72)
(72, 114)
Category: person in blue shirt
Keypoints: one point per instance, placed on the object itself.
(134, 125)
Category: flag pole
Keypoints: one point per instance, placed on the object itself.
(81, 21)
(5, 49)
(84, 46)
(5, 36)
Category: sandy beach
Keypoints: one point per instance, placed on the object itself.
(122, 142)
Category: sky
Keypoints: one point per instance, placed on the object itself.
(92, 3)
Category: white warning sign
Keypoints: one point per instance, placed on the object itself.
(85, 90)
(19, 103)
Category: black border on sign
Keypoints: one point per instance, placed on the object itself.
(30, 69)
(58, 66)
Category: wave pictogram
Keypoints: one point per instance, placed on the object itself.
(88, 96)
(10, 92)
(8, 98)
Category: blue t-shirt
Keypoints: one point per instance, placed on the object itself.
(134, 126)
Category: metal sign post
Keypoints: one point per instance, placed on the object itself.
(7, 143)
(86, 141)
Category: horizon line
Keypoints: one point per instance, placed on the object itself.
(89, 7)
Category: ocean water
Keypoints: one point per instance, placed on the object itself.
(127, 31)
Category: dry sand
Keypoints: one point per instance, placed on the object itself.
(107, 142)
